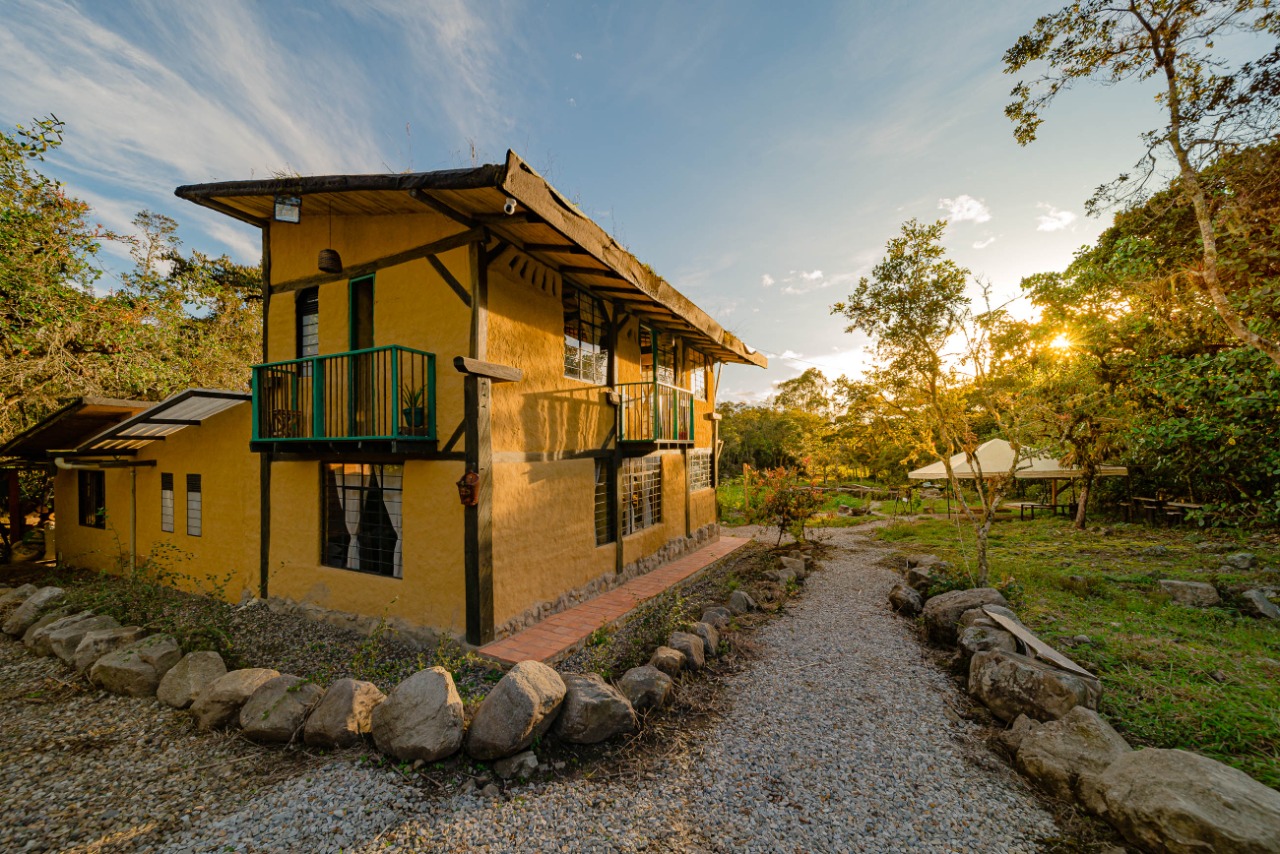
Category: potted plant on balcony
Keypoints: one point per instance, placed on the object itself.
(414, 410)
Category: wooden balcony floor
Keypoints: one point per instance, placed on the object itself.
(561, 633)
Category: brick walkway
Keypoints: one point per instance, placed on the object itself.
(562, 632)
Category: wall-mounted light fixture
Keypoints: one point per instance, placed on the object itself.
(288, 209)
(509, 207)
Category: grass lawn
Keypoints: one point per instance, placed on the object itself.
(1203, 679)
(730, 496)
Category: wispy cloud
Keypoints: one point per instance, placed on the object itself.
(804, 281)
(1053, 219)
(983, 244)
(767, 280)
(965, 208)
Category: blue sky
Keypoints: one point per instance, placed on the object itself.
(756, 154)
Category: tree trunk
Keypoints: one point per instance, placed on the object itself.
(1084, 502)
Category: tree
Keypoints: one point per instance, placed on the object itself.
(1212, 111)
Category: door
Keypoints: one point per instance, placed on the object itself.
(363, 419)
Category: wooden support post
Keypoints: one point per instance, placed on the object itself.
(15, 509)
(264, 458)
(478, 518)
(615, 334)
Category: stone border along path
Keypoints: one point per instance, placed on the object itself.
(840, 738)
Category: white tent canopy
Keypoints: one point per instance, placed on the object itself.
(994, 460)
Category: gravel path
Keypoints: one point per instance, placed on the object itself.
(839, 738)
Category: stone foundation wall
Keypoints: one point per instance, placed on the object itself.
(669, 552)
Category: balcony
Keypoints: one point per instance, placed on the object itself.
(375, 398)
(655, 412)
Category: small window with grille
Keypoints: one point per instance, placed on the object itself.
(166, 502)
(92, 489)
(360, 522)
(641, 493)
(195, 524)
(604, 502)
(699, 469)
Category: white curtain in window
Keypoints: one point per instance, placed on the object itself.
(351, 482)
(392, 484)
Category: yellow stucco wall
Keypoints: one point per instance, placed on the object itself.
(223, 560)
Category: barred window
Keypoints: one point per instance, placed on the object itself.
(586, 340)
(657, 356)
(166, 502)
(699, 469)
(605, 510)
(697, 374)
(194, 523)
(92, 489)
(360, 519)
(641, 493)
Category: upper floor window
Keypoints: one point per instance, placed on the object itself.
(698, 365)
(586, 340)
(306, 304)
(92, 494)
(657, 356)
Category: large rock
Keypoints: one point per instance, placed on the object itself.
(695, 653)
(220, 703)
(45, 619)
(942, 612)
(520, 708)
(593, 710)
(65, 641)
(187, 679)
(1010, 685)
(1241, 560)
(740, 602)
(1194, 594)
(924, 561)
(669, 661)
(796, 566)
(275, 713)
(96, 644)
(11, 600)
(1180, 802)
(719, 616)
(981, 617)
(905, 600)
(36, 638)
(1067, 756)
(421, 717)
(29, 610)
(136, 670)
(1256, 604)
(976, 639)
(919, 578)
(343, 715)
(646, 687)
(710, 638)
(522, 765)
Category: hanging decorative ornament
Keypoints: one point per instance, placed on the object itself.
(330, 261)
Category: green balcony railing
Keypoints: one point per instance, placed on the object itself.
(384, 393)
(655, 412)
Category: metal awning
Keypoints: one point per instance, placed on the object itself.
(185, 409)
(68, 427)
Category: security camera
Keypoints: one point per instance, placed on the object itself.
(510, 207)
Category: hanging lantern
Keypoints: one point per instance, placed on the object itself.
(330, 261)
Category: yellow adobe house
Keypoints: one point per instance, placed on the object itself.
(473, 407)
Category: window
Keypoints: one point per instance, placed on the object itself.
(306, 306)
(92, 488)
(699, 469)
(697, 374)
(166, 502)
(604, 502)
(657, 348)
(641, 493)
(586, 339)
(193, 505)
(360, 523)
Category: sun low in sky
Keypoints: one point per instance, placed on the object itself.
(756, 154)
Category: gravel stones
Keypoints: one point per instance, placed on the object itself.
(942, 612)
(28, 611)
(669, 661)
(343, 715)
(1193, 594)
(695, 654)
(194, 672)
(96, 644)
(740, 602)
(276, 711)
(1010, 685)
(520, 708)
(905, 600)
(646, 687)
(421, 718)
(1067, 756)
(136, 670)
(1181, 802)
(593, 710)
(63, 642)
(710, 638)
(220, 704)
